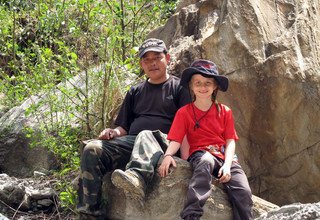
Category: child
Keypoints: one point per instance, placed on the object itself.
(209, 127)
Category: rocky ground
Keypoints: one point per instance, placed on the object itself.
(36, 198)
(36, 216)
(31, 198)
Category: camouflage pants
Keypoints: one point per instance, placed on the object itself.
(102, 156)
(98, 158)
(147, 150)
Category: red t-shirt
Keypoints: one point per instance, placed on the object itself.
(215, 128)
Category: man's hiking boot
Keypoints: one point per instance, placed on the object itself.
(131, 182)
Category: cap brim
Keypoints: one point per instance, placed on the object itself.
(222, 81)
(153, 49)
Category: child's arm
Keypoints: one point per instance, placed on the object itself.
(168, 159)
(224, 172)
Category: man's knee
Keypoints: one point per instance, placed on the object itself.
(93, 147)
(145, 133)
(144, 136)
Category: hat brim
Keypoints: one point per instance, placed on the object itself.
(153, 49)
(222, 81)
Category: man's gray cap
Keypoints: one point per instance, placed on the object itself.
(152, 44)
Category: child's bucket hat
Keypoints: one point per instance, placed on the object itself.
(207, 69)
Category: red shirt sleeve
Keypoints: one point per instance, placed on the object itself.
(230, 132)
(179, 127)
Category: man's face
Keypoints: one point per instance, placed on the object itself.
(154, 65)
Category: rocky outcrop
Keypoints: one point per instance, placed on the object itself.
(34, 198)
(293, 211)
(17, 157)
(166, 196)
(270, 51)
(29, 195)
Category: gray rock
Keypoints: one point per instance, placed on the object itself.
(17, 158)
(270, 53)
(25, 194)
(166, 196)
(38, 174)
(45, 202)
(2, 217)
(309, 211)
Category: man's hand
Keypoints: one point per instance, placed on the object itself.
(109, 133)
(224, 174)
(165, 165)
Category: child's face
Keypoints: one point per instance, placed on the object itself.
(202, 87)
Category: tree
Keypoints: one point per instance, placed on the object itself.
(46, 44)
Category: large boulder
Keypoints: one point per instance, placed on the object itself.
(270, 52)
(17, 158)
(165, 199)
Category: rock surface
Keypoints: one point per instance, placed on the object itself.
(36, 198)
(17, 158)
(294, 211)
(270, 50)
(166, 196)
(29, 195)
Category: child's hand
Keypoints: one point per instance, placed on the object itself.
(165, 165)
(224, 174)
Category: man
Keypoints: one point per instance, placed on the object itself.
(150, 105)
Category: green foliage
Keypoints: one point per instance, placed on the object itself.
(68, 196)
(64, 144)
(74, 61)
